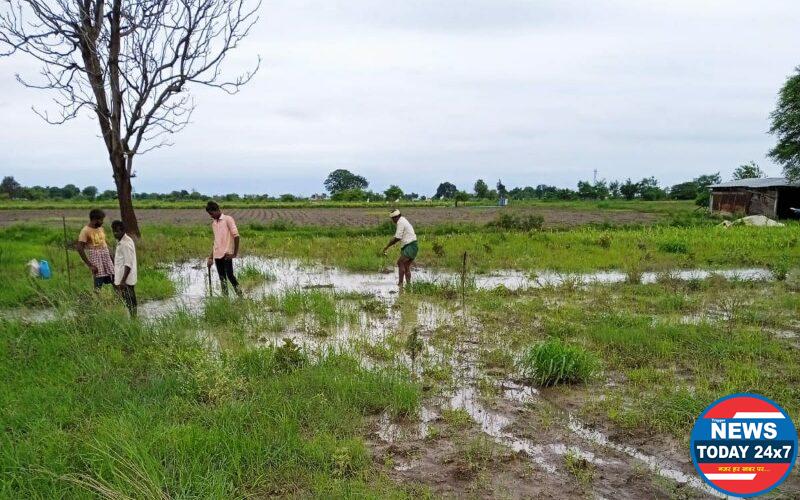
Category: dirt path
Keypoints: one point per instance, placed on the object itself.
(351, 217)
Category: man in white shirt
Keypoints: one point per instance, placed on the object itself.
(125, 266)
(407, 238)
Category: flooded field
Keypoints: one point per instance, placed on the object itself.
(481, 426)
(502, 410)
(192, 279)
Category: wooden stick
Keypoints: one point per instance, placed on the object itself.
(210, 287)
(66, 251)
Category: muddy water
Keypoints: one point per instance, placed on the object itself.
(293, 274)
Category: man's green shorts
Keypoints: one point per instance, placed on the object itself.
(410, 251)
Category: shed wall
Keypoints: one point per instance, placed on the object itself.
(745, 201)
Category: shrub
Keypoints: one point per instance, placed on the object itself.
(780, 268)
(674, 247)
(555, 362)
(518, 223)
(289, 357)
(793, 280)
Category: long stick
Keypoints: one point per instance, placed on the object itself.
(210, 288)
(66, 251)
(464, 280)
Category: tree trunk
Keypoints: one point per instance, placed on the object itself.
(125, 196)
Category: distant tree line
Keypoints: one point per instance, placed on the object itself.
(343, 185)
(10, 188)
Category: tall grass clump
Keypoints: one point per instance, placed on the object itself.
(251, 275)
(554, 362)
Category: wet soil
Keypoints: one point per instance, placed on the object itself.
(520, 443)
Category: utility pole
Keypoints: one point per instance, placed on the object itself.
(595, 176)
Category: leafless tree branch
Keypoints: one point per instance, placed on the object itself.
(131, 63)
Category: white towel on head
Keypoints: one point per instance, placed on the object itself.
(395, 213)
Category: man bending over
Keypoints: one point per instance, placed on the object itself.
(407, 238)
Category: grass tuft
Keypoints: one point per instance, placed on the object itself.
(555, 362)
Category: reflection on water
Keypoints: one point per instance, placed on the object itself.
(291, 274)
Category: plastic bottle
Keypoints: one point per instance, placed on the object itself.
(44, 269)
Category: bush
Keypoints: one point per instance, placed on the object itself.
(674, 247)
(350, 195)
(780, 268)
(518, 223)
(555, 362)
(604, 240)
(289, 357)
(793, 280)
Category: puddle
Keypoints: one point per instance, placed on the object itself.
(29, 315)
(493, 424)
(518, 392)
(289, 274)
(783, 334)
(392, 432)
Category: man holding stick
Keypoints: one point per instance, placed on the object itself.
(226, 246)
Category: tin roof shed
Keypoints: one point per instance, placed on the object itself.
(773, 197)
(757, 183)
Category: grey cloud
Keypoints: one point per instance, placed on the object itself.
(530, 91)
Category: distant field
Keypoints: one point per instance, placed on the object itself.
(670, 206)
(555, 214)
(349, 217)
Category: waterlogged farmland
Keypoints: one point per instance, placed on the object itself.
(557, 363)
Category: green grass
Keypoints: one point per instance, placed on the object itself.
(579, 467)
(98, 403)
(667, 349)
(19, 244)
(583, 249)
(250, 276)
(670, 348)
(554, 362)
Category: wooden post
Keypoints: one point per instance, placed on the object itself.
(66, 251)
(464, 279)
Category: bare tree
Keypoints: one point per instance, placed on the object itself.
(130, 63)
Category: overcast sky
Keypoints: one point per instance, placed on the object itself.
(417, 92)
